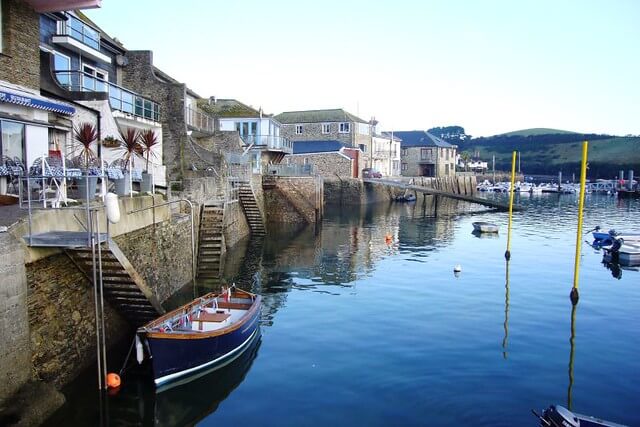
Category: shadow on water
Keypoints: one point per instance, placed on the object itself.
(138, 402)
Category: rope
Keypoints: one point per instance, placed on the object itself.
(126, 360)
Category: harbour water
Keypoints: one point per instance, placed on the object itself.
(358, 329)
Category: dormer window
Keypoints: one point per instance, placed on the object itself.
(299, 129)
(345, 127)
(326, 128)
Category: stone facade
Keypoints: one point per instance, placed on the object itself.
(161, 254)
(313, 132)
(20, 53)
(294, 200)
(62, 319)
(428, 161)
(325, 164)
(15, 366)
(181, 152)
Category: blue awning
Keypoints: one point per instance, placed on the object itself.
(27, 99)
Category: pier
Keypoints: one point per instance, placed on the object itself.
(503, 207)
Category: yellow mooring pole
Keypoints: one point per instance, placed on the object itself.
(583, 179)
(512, 190)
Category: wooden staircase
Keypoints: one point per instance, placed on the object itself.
(251, 210)
(123, 287)
(210, 243)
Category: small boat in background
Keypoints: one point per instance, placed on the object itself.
(559, 416)
(410, 197)
(485, 227)
(625, 252)
(205, 334)
(607, 238)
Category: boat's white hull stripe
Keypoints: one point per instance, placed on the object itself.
(238, 349)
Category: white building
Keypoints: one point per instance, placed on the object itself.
(385, 154)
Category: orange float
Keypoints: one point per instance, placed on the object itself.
(113, 380)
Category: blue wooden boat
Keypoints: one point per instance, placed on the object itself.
(559, 416)
(205, 334)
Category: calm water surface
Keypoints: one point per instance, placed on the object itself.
(356, 331)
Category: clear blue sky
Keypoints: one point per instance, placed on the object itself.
(490, 66)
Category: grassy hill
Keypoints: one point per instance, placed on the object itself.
(536, 131)
(549, 154)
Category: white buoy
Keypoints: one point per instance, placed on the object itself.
(457, 268)
(112, 207)
(139, 350)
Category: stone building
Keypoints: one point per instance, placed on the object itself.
(260, 132)
(29, 122)
(327, 158)
(79, 62)
(329, 125)
(423, 154)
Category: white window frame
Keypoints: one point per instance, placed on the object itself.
(94, 74)
(326, 128)
(56, 53)
(299, 130)
(344, 127)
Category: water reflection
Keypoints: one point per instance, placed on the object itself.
(185, 404)
(506, 311)
(572, 339)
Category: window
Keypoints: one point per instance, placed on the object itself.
(80, 31)
(93, 79)
(425, 153)
(363, 147)
(298, 129)
(403, 152)
(446, 169)
(447, 152)
(12, 140)
(404, 166)
(63, 63)
(345, 127)
(326, 128)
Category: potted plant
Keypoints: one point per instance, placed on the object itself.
(129, 147)
(86, 134)
(148, 140)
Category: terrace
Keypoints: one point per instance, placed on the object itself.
(120, 99)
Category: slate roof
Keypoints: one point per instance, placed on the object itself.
(318, 116)
(420, 138)
(324, 146)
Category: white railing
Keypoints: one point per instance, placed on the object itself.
(270, 142)
(199, 120)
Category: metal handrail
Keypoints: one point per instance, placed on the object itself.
(86, 37)
(272, 142)
(120, 99)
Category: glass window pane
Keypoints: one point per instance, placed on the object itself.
(138, 103)
(13, 140)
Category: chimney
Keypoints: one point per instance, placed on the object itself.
(212, 100)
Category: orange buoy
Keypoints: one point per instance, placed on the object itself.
(113, 380)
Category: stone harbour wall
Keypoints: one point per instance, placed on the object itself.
(294, 200)
(15, 366)
(62, 320)
(236, 226)
(327, 165)
(161, 254)
(355, 192)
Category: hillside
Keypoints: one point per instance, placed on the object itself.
(536, 131)
(549, 154)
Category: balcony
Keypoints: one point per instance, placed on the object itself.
(429, 160)
(269, 142)
(81, 38)
(120, 99)
(199, 121)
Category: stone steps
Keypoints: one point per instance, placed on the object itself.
(211, 241)
(123, 287)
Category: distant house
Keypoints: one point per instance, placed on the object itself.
(329, 158)
(474, 164)
(260, 132)
(423, 154)
(385, 154)
(328, 125)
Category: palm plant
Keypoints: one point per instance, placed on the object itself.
(148, 140)
(86, 134)
(130, 146)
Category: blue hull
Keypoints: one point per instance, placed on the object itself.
(175, 358)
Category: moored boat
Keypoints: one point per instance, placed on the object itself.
(559, 416)
(625, 252)
(205, 334)
(485, 227)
